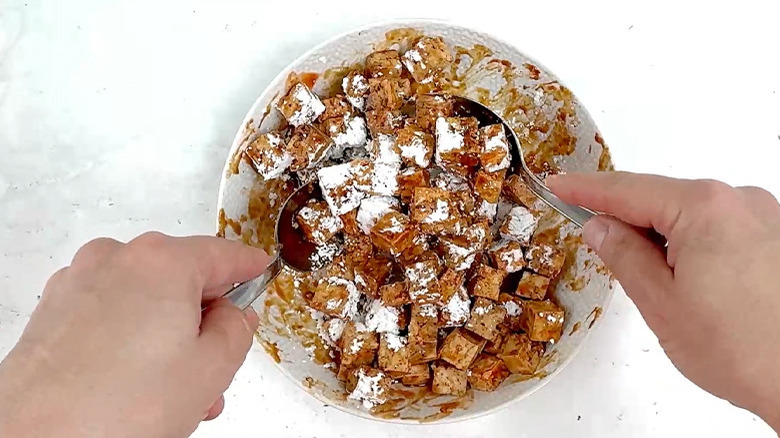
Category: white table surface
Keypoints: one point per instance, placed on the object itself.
(115, 118)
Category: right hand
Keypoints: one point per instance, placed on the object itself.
(713, 299)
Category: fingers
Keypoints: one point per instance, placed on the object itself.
(647, 201)
(215, 409)
(221, 262)
(761, 201)
(95, 251)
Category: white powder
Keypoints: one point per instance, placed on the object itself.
(330, 331)
(395, 226)
(368, 389)
(353, 135)
(451, 182)
(310, 106)
(448, 138)
(383, 150)
(356, 345)
(384, 180)
(341, 178)
(441, 213)
(355, 89)
(512, 308)
(324, 255)
(428, 311)
(381, 319)
(541, 253)
(482, 310)
(350, 308)
(326, 224)
(457, 308)
(462, 255)
(274, 161)
(415, 150)
(552, 319)
(395, 342)
(487, 210)
(519, 225)
(513, 257)
(372, 209)
(494, 143)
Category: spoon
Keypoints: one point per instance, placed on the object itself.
(464, 107)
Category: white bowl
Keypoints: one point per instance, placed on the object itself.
(584, 292)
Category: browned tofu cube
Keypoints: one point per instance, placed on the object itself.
(545, 259)
(418, 375)
(450, 282)
(507, 255)
(423, 282)
(460, 348)
(357, 247)
(307, 146)
(429, 107)
(519, 225)
(457, 144)
(457, 255)
(346, 374)
(350, 222)
(370, 273)
(435, 211)
(331, 331)
(533, 286)
(269, 156)
(520, 354)
(385, 63)
(316, 222)
(394, 294)
(423, 333)
(485, 318)
(494, 346)
(488, 184)
(387, 93)
(384, 121)
(487, 282)
(393, 353)
(448, 380)
(415, 146)
(346, 132)
(368, 386)
(358, 345)
(334, 296)
(514, 311)
(355, 87)
(411, 178)
(485, 210)
(336, 107)
(495, 155)
(415, 251)
(427, 59)
(542, 320)
(345, 185)
(300, 106)
(487, 373)
(517, 191)
(393, 232)
(455, 310)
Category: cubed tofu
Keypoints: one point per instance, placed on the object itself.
(488, 184)
(336, 107)
(394, 294)
(370, 273)
(427, 59)
(345, 375)
(346, 132)
(393, 233)
(330, 331)
(456, 144)
(487, 373)
(487, 282)
(514, 311)
(384, 121)
(542, 320)
(300, 106)
(494, 346)
(429, 107)
(384, 180)
(456, 253)
(485, 318)
(368, 386)
(335, 296)
(350, 222)
(448, 380)
(507, 255)
(411, 178)
(418, 375)
(545, 259)
(358, 345)
(519, 225)
(269, 156)
(415, 251)
(495, 155)
(393, 353)
(520, 354)
(385, 63)
(355, 87)
(455, 311)
(415, 145)
(518, 192)
(357, 247)
(387, 93)
(423, 333)
(486, 210)
(345, 185)
(372, 209)
(533, 286)
(382, 149)
(307, 146)
(423, 282)
(317, 223)
(435, 211)
(460, 348)
(450, 282)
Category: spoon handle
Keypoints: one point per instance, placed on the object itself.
(575, 213)
(243, 295)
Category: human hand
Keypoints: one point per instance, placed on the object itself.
(118, 346)
(713, 298)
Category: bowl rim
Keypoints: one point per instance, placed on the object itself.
(401, 22)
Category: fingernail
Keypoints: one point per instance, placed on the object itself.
(205, 415)
(594, 232)
(550, 180)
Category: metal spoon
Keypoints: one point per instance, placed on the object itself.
(464, 107)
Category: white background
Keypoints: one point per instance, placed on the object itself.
(115, 118)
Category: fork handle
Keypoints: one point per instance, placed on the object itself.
(244, 294)
(575, 213)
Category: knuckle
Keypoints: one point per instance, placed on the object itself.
(153, 239)
(94, 250)
(715, 195)
(56, 279)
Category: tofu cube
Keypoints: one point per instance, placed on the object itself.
(394, 294)
(330, 331)
(488, 184)
(411, 178)
(450, 282)
(542, 321)
(415, 251)
(418, 375)
(336, 107)
(384, 121)
(514, 311)
(384, 63)
(345, 185)
(346, 374)
(429, 107)
(335, 296)
(415, 145)
(533, 286)
(520, 354)
(384, 180)
(456, 144)
(495, 155)
(435, 211)
(370, 272)
(519, 225)
(393, 233)
(269, 156)
(455, 312)
(448, 380)
(507, 255)
(358, 345)
(518, 192)
(423, 333)
(486, 282)
(494, 346)
(487, 373)
(368, 386)
(486, 210)
(350, 222)
(307, 146)
(428, 58)
(423, 282)
(545, 259)
(300, 106)
(457, 254)
(317, 223)
(387, 93)
(382, 149)
(346, 132)
(485, 318)
(357, 247)
(460, 348)
(372, 209)
(393, 353)
(355, 87)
